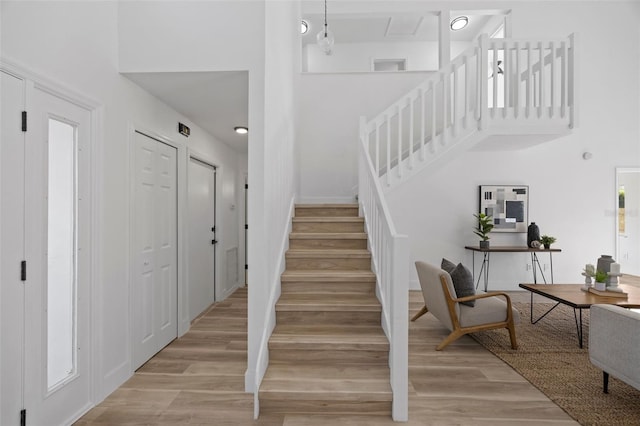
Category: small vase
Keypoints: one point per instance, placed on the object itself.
(484, 244)
(547, 246)
(601, 286)
(533, 233)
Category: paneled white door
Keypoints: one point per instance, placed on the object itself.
(155, 253)
(202, 236)
(45, 233)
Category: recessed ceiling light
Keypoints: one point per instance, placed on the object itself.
(241, 130)
(459, 23)
(304, 27)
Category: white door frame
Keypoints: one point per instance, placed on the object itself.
(181, 161)
(94, 144)
(191, 153)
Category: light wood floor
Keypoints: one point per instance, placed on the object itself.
(199, 380)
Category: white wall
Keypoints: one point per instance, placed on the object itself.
(275, 188)
(330, 109)
(76, 45)
(570, 198)
(358, 57)
(353, 57)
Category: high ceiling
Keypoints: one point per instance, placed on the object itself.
(361, 28)
(218, 101)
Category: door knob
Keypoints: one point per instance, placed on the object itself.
(214, 241)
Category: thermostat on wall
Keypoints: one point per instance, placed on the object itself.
(183, 129)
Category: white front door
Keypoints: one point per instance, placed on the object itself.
(202, 242)
(45, 257)
(11, 248)
(155, 253)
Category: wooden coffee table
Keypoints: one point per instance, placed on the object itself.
(572, 295)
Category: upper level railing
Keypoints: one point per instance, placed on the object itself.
(390, 258)
(503, 81)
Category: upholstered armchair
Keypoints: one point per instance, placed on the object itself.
(614, 343)
(490, 311)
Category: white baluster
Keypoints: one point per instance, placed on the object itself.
(484, 79)
(388, 150)
(529, 81)
(423, 114)
(411, 112)
(467, 91)
(541, 90)
(445, 111)
(516, 86)
(399, 165)
(494, 78)
(454, 101)
(432, 89)
(564, 84)
(552, 83)
(506, 77)
(377, 149)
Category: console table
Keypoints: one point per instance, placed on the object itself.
(535, 263)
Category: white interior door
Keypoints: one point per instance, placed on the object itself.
(155, 229)
(11, 248)
(202, 238)
(45, 234)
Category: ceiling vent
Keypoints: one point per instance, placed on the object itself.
(403, 26)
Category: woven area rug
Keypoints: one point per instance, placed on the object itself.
(548, 356)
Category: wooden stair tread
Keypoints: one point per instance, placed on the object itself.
(329, 372)
(328, 235)
(328, 206)
(328, 275)
(328, 330)
(348, 339)
(326, 389)
(328, 219)
(329, 299)
(339, 253)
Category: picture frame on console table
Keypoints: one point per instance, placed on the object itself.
(508, 205)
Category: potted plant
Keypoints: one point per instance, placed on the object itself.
(485, 225)
(547, 240)
(601, 280)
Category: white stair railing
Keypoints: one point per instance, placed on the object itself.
(494, 82)
(390, 258)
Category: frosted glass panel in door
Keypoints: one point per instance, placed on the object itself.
(61, 279)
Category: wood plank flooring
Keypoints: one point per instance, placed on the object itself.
(199, 380)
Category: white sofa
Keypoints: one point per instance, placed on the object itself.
(614, 343)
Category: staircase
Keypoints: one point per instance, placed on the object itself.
(328, 353)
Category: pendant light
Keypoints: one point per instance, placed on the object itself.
(325, 37)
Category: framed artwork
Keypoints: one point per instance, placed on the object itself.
(508, 205)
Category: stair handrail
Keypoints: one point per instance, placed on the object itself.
(390, 263)
(537, 81)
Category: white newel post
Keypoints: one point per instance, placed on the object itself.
(400, 329)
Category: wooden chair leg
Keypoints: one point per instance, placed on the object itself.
(512, 335)
(423, 311)
(605, 382)
(455, 335)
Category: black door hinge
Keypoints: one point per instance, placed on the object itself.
(246, 226)
(23, 270)
(246, 186)
(246, 266)
(23, 417)
(213, 229)
(24, 121)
